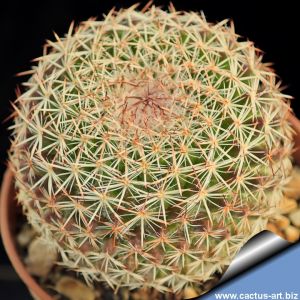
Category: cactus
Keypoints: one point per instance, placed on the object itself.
(150, 146)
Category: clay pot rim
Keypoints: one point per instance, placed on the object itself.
(9, 241)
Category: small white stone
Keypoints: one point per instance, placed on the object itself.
(295, 217)
(292, 189)
(74, 289)
(287, 205)
(281, 221)
(189, 293)
(292, 234)
(41, 257)
(25, 236)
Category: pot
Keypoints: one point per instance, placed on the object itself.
(8, 214)
(9, 209)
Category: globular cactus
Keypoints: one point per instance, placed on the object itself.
(150, 146)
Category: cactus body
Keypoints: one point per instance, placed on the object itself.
(148, 147)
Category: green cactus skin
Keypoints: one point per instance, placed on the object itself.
(149, 147)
